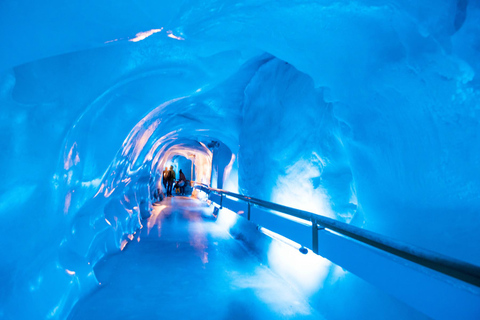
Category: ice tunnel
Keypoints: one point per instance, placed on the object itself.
(364, 114)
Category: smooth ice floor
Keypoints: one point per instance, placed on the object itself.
(183, 265)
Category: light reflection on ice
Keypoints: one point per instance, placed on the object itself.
(156, 219)
(337, 273)
(307, 272)
(227, 219)
(68, 199)
(197, 234)
(142, 35)
(123, 244)
(93, 183)
(36, 286)
(295, 190)
(272, 292)
(171, 35)
(72, 157)
(107, 193)
(278, 237)
(72, 273)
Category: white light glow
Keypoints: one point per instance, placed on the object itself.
(72, 273)
(307, 272)
(281, 238)
(295, 190)
(227, 218)
(171, 35)
(142, 35)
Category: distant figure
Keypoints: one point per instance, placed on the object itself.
(170, 180)
(182, 183)
(165, 178)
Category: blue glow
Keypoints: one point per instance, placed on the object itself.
(363, 111)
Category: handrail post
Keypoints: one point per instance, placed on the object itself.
(248, 212)
(314, 236)
(221, 200)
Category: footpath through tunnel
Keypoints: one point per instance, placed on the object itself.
(184, 264)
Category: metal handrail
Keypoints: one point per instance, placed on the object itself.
(449, 266)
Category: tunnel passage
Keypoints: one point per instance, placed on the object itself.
(361, 111)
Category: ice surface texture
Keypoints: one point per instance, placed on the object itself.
(366, 111)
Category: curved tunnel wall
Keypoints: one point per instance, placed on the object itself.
(367, 112)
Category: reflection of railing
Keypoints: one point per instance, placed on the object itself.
(458, 269)
(196, 183)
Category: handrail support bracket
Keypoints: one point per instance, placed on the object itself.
(314, 236)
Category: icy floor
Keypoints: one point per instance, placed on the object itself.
(183, 265)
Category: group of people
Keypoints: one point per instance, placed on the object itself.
(169, 179)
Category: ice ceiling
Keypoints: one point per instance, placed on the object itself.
(366, 111)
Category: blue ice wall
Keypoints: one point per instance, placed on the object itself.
(368, 111)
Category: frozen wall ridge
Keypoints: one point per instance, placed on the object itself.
(316, 158)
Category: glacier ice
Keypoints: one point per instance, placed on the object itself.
(365, 111)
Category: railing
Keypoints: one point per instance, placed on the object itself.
(449, 266)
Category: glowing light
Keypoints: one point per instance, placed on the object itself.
(292, 218)
(72, 273)
(123, 244)
(279, 237)
(68, 199)
(205, 258)
(76, 160)
(227, 218)
(54, 311)
(197, 233)
(68, 161)
(307, 272)
(338, 273)
(142, 35)
(171, 35)
(279, 298)
(130, 236)
(228, 169)
(108, 193)
(108, 221)
(156, 219)
(141, 139)
(138, 239)
(100, 190)
(34, 287)
(295, 190)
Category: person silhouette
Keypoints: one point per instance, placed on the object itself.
(170, 181)
(165, 178)
(182, 183)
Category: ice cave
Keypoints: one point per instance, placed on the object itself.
(330, 152)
